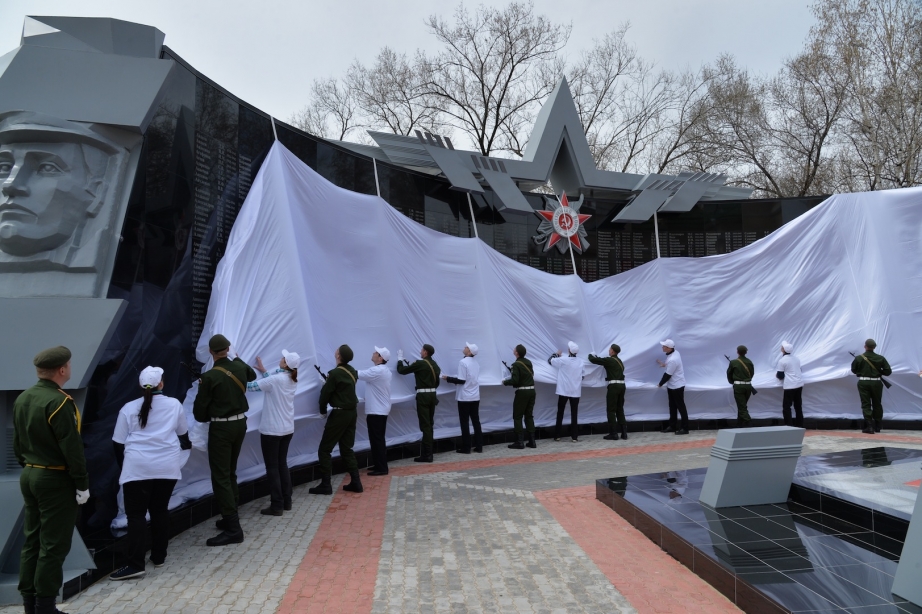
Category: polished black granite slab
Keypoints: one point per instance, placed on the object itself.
(798, 556)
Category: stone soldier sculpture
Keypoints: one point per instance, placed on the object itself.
(523, 406)
(339, 392)
(869, 367)
(47, 444)
(614, 397)
(221, 401)
(739, 373)
(426, 372)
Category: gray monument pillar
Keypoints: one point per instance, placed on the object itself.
(908, 580)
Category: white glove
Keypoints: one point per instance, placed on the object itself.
(83, 496)
(399, 355)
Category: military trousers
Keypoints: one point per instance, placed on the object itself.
(224, 442)
(50, 498)
(741, 394)
(523, 408)
(871, 393)
(614, 405)
(425, 413)
(339, 429)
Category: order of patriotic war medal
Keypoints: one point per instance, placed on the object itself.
(562, 221)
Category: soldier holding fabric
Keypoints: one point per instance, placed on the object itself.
(47, 444)
(339, 393)
(739, 373)
(614, 398)
(523, 407)
(869, 367)
(427, 374)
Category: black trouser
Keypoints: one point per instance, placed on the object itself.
(144, 497)
(574, 410)
(614, 406)
(795, 396)
(377, 426)
(871, 393)
(275, 455)
(677, 404)
(470, 410)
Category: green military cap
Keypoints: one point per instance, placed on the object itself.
(741, 350)
(520, 349)
(429, 349)
(218, 343)
(52, 358)
(345, 353)
(616, 348)
(870, 344)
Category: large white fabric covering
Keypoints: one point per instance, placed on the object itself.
(310, 266)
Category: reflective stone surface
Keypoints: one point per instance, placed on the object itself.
(818, 553)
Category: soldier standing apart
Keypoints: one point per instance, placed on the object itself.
(569, 387)
(339, 392)
(47, 444)
(792, 382)
(221, 401)
(869, 367)
(426, 372)
(523, 406)
(614, 397)
(377, 407)
(468, 397)
(674, 380)
(739, 373)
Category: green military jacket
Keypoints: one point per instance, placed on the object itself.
(219, 396)
(339, 389)
(523, 374)
(614, 368)
(46, 431)
(426, 371)
(740, 370)
(861, 368)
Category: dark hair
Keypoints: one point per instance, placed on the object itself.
(145, 406)
(293, 374)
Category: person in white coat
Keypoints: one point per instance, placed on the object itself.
(150, 435)
(792, 382)
(377, 407)
(276, 427)
(569, 387)
(674, 380)
(467, 395)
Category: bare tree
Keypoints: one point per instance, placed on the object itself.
(495, 68)
(331, 113)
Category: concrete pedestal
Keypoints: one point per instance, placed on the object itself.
(907, 583)
(752, 466)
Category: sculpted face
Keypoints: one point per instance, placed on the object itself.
(45, 194)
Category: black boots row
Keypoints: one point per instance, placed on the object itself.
(40, 605)
(325, 487)
(231, 533)
(871, 427)
(615, 436)
(520, 443)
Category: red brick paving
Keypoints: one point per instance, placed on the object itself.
(650, 579)
(339, 571)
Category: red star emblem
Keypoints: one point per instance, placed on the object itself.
(566, 223)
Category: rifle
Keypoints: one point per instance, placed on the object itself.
(507, 366)
(195, 375)
(754, 391)
(322, 374)
(885, 382)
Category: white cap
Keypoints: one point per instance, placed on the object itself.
(787, 347)
(292, 359)
(669, 343)
(572, 347)
(151, 377)
(472, 347)
(383, 352)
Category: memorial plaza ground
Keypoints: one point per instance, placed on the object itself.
(503, 531)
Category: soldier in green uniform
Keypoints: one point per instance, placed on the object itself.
(614, 398)
(869, 367)
(427, 380)
(739, 373)
(48, 446)
(339, 393)
(221, 401)
(523, 406)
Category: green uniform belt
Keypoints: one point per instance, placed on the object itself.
(56, 468)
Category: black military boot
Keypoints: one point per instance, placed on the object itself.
(669, 428)
(877, 425)
(519, 444)
(611, 434)
(868, 428)
(425, 456)
(323, 488)
(233, 534)
(45, 605)
(623, 431)
(531, 441)
(28, 604)
(221, 524)
(355, 485)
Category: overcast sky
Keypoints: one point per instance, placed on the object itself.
(267, 52)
